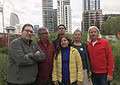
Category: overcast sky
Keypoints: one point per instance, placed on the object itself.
(29, 11)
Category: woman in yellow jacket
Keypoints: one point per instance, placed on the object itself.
(67, 69)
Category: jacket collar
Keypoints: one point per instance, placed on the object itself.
(98, 41)
(26, 41)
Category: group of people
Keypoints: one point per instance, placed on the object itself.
(59, 62)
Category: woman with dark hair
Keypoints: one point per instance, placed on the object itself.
(67, 69)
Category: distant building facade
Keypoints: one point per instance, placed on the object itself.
(35, 28)
(9, 18)
(55, 19)
(92, 14)
(47, 13)
(14, 19)
(64, 14)
(91, 4)
(14, 22)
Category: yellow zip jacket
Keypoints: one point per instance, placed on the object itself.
(75, 65)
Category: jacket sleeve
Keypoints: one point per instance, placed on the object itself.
(17, 54)
(54, 73)
(38, 55)
(79, 66)
(110, 59)
(87, 59)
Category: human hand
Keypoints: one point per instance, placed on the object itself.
(29, 55)
(89, 75)
(37, 52)
(40, 53)
(39, 56)
(79, 83)
(55, 83)
(109, 78)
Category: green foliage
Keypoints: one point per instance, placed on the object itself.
(111, 26)
(53, 36)
(84, 37)
(3, 66)
(116, 52)
(115, 47)
(4, 50)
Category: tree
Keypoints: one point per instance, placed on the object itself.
(111, 26)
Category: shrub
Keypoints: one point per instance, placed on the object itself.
(116, 52)
(4, 50)
(3, 68)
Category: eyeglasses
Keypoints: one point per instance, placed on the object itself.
(61, 28)
(28, 31)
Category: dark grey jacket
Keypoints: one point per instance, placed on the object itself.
(22, 65)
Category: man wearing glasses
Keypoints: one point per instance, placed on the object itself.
(23, 59)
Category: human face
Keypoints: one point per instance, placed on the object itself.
(93, 33)
(64, 42)
(27, 32)
(61, 30)
(44, 35)
(77, 36)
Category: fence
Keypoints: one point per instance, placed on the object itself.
(4, 39)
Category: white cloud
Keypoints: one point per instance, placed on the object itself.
(110, 6)
(29, 11)
(76, 6)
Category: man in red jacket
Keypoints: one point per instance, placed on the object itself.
(101, 57)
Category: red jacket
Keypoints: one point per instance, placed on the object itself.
(101, 57)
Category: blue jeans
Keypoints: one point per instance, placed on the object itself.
(74, 83)
(99, 79)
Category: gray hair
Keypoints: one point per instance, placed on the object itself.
(77, 30)
(91, 27)
(42, 30)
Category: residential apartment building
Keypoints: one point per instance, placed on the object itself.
(92, 14)
(47, 13)
(55, 19)
(64, 14)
